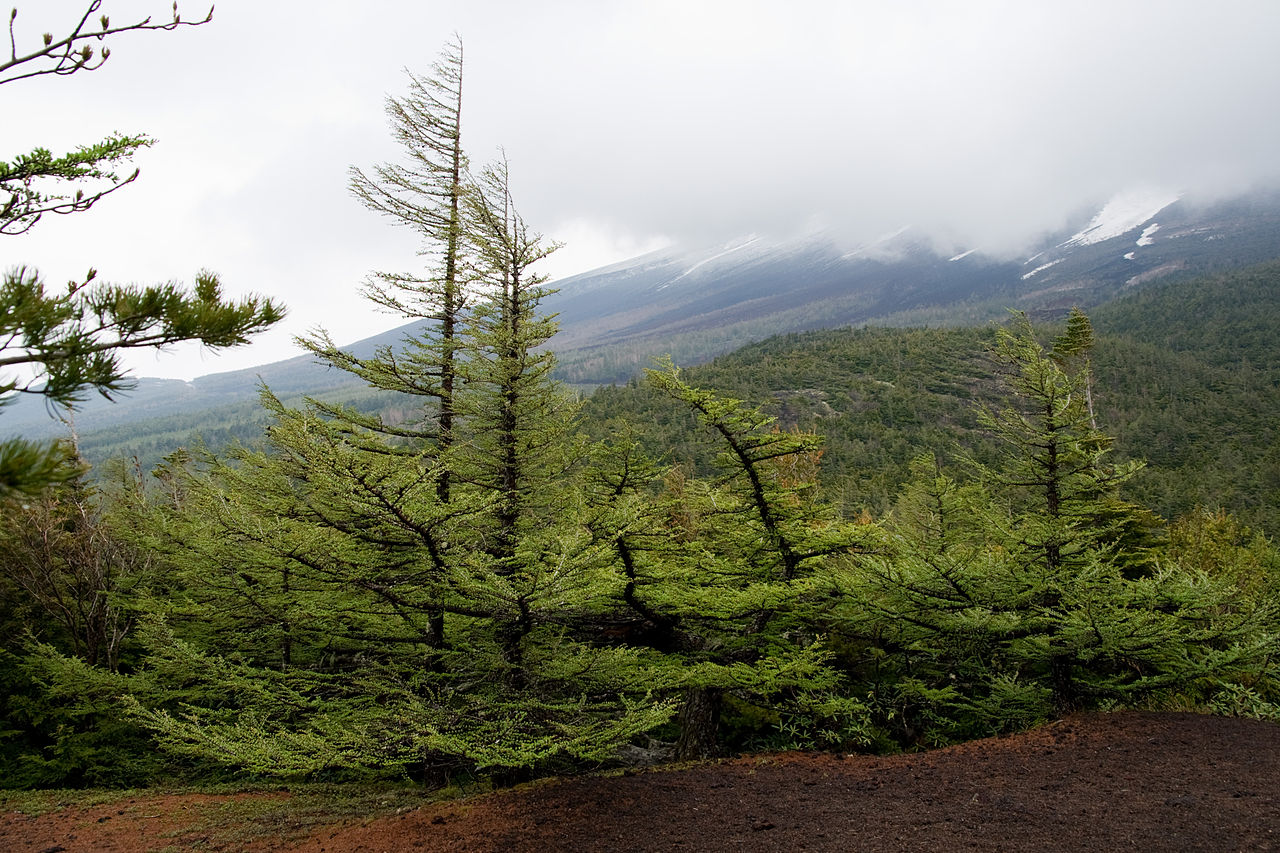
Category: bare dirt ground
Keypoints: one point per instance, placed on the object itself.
(1127, 781)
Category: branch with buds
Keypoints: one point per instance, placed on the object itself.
(75, 51)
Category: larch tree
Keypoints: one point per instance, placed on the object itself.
(409, 592)
(718, 574)
(1014, 596)
(426, 193)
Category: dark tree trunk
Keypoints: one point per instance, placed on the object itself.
(1066, 698)
(700, 723)
(435, 630)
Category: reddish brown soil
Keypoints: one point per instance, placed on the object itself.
(1130, 781)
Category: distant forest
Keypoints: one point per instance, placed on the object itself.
(1187, 374)
(1187, 379)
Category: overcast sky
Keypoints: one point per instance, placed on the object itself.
(631, 125)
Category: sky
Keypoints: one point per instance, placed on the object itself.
(630, 126)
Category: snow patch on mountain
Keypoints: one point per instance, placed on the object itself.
(1042, 268)
(878, 244)
(1122, 214)
(1148, 233)
(962, 255)
(730, 250)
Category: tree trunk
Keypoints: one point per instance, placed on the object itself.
(1065, 696)
(700, 723)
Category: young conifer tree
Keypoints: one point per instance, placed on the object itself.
(1014, 597)
(408, 593)
(718, 574)
(520, 424)
(532, 576)
(425, 193)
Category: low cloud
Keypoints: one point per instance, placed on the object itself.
(986, 124)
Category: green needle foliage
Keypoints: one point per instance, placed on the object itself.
(1022, 593)
(405, 595)
(23, 180)
(720, 572)
(484, 590)
(466, 582)
(70, 343)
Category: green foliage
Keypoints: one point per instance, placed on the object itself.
(1200, 406)
(71, 342)
(478, 578)
(719, 572)
(27, 467)
(67, 343)
(403, 596)
(325, 609)
(1016, 596)
(74, 339)
(68, 635)
(23, 178)
(64, 725)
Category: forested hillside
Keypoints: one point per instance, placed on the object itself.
(892, 563)
(1187, 378)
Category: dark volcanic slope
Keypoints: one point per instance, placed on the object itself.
(1127, 781)
(1095, 782)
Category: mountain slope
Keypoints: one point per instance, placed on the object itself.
(698, 303)
(1206, 415)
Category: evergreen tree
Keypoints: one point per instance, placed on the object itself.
(408, 594)
(518, 423)
(1014, 597)
(424, 192)
(719, 574)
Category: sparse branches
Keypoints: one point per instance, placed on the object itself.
(422, 191)
(34, 184)
(23, 180)
(75, 51)
(59, 549)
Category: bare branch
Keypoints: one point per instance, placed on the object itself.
(75, 51)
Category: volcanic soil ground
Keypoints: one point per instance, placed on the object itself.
(1095, 782)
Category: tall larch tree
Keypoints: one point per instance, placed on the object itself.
(425, 193)
(409, 591)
